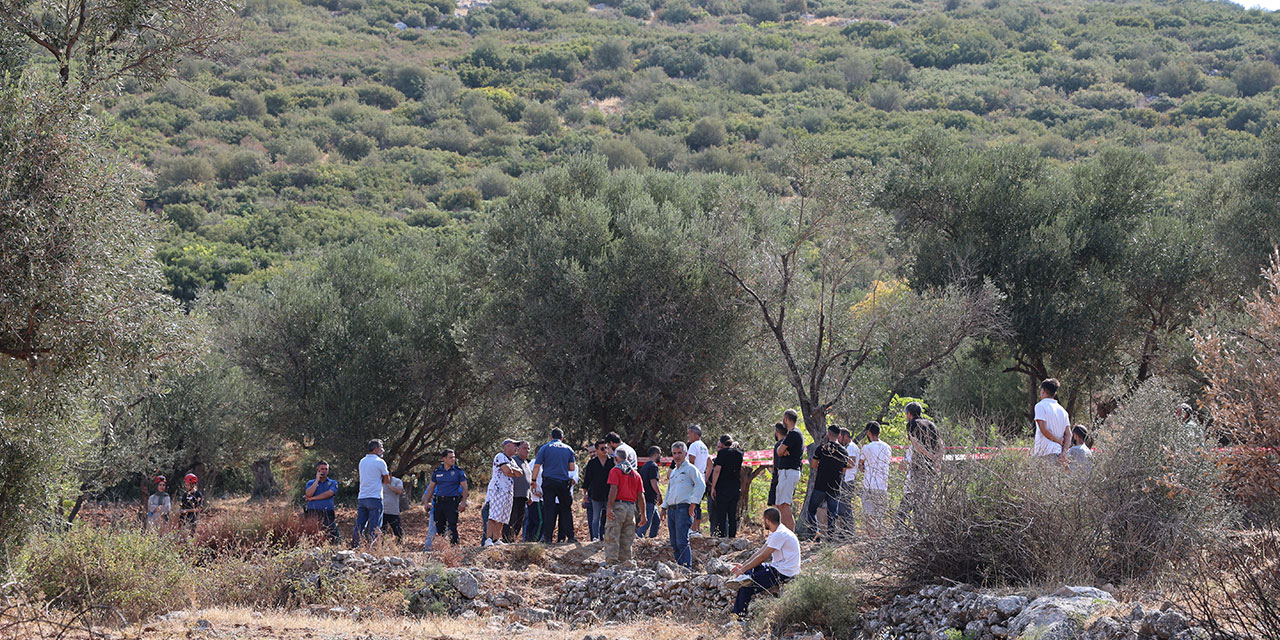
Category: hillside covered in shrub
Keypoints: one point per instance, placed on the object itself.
(330, 120)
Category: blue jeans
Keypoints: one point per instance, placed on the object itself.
(533, 522)
(835, 510)
(599, 517)
(431, 531)
(763, 578)
(650, 529)
(678, 523)
(368, 519)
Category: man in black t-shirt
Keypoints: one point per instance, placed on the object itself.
(830, 460)
(924, 455)
(726, 488)
(788, 453)
(652, 493)
(596, 481)
(192, 503)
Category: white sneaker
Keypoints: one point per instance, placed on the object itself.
(695, 534)
(487, 543)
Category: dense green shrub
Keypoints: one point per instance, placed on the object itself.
(138, 574)
(238, 166)
(1255, 77)
(380, 96)
(706, 132)
(355, 146)
(816, 599)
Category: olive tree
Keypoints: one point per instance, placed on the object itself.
(362, 343)
(601, 301)
(80, 301)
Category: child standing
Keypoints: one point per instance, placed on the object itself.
(191, 503)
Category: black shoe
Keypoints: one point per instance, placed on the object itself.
(572, 541)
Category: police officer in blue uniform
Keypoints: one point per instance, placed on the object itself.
(446, 495)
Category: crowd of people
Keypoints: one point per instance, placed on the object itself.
(532, 499)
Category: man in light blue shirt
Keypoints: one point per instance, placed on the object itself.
(373, 476)
(555, 461)
(684, 490)
(319, 495)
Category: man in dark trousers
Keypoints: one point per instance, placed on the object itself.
(555, 461)
(319, 496)
(726, 488)
(446, 495)
(520, 492)
(924, 458)
(596, 482)
(830, 461)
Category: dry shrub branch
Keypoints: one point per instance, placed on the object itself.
(1149, 499)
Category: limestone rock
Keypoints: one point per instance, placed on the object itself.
(465, 583)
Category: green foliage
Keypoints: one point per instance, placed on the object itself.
(1252, 78)
(376, 321)
(138, 574)
(706, 132)
(82, 309)
(621, 325)
(813, 600)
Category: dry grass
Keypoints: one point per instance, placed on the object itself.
(246, 624)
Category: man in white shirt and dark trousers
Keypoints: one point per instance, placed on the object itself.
(781, 549)
(1053, 425)
(373, 476)
(849, 486)
(873, 460)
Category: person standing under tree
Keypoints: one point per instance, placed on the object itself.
(596, 480)
(649, 474)
(829, 463)
(320, 505)
(159, 504)
(533, 515)
(924, 456)
(873, 460)
(373, 476)
(520, 488)
(849, 485)
(1053, 425)
(191, 503)
(391, 494)
(499, 496)
(781, 549)
(790, 453)
(683, 487)
(556, 461)
(625, 506)
(446, 495)
(726, 488)
(700, 458)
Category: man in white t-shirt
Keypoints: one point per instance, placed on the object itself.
(848, 485)
(873, 460)
(700, 458)
(1053, 425)
(373, 476)
(781, 549)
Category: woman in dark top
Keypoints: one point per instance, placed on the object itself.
(726, 488)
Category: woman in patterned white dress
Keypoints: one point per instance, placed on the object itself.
(500, 492)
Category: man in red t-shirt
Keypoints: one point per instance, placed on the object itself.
(626, 504)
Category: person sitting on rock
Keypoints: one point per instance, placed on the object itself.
(781, 548)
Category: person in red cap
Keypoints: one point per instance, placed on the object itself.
(159, 504)
(191, 504)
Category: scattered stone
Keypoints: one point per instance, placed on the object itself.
(465, 583)
(203, 625)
